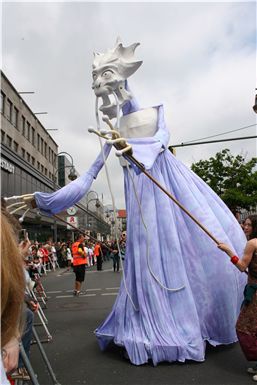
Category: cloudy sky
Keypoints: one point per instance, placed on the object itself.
(199, 60)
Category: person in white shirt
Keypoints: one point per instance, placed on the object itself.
(86, 254)
(69, 256)
(91, 261)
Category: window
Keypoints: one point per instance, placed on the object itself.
(2, 105)
(2, 136)
(15, 146)
(42, 169)
(33, 161)
(45, 171)
(33, 136)
(38, 142)
(9, 110)
(38, 165)
(45, 153)
(9, 141)
(15, 117)
(23, 126)
(28, 131)
(42, 146)
(28, 157)
(23, 153)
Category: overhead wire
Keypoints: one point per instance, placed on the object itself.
(224, 133)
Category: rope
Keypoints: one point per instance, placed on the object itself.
(112, 198)
(147, 239)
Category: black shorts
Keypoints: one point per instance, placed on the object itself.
(79, 271)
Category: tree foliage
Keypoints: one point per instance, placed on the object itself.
(231, 177)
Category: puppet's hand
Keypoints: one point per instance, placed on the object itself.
(20, 202)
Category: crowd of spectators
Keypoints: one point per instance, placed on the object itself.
(47, 256)
(22, 262)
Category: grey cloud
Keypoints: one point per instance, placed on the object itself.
(199, 60)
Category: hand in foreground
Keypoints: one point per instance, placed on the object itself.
(33, 306)
(24, 247)
(10, 355)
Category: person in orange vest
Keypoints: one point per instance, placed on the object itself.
(98, 255)
(79, 263)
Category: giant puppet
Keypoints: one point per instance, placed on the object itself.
(178, 291)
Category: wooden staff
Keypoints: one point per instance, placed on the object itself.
(141, 167)
(128, 155)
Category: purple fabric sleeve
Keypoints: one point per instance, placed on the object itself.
(53, 203)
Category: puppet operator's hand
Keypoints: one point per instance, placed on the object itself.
(224, 247)
(99, 162)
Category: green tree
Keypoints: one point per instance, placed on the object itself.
(231, 177)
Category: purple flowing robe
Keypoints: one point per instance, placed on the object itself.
(174, 326)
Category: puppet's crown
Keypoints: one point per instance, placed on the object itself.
(122, 57)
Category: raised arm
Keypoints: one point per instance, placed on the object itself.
(244, 262)
(55, 202)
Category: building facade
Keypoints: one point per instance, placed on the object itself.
(30, 163)
(28, 155)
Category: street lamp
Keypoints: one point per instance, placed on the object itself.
(92, 191)
(72, 175)
(97, 204)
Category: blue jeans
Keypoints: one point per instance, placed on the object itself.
(27, 335)
(116, 262)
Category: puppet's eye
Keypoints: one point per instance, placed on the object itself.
(107, 74)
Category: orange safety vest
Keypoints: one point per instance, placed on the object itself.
(97, 250)
(78, 259)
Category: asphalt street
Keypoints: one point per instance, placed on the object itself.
(75, 355)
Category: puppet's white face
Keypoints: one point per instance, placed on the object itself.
(105, 80)
(110, 70)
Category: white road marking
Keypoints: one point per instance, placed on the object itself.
(70, 296)
(71, 291)
(109, 294)
(93, 289)
(112, 288)
(100, 272)
(83, 295)
(60, 275)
